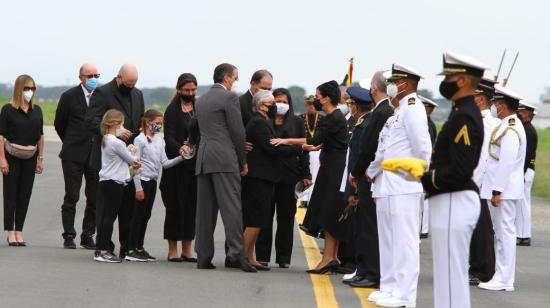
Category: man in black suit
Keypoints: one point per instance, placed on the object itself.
(75, 157)
(120, 94)
(370, 276)
(261, 79)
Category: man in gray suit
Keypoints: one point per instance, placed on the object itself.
(221, 161)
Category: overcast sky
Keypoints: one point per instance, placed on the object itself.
(301, 42)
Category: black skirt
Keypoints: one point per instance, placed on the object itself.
(327, 202)
(257, 196)
(178, 187)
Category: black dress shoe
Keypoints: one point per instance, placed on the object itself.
(174, 259)
(188, 259)
(364, 283)
(352, 279)
(423, 235)
(87, 243)
(241, 264)
(13, 244)
(329, 268)
(284, 265)
(261, 267)
(21, 244)
(69, 243)
(205, 265)
(524, 242)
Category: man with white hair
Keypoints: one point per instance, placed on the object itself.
(120, 94)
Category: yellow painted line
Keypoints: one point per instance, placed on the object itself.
(363, 295)
(322, 286)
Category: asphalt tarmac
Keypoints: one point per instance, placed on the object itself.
(43, 274)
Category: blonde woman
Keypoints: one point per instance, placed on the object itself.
(21, 155)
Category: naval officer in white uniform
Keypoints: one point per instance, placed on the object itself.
(398, 206)
(503, 186)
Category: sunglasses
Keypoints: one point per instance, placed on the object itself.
(29, 88)
(92, 76)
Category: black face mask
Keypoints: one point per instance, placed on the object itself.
(124, 89)
(317, 104)
(188, 98)
(448, 88)
(272, 111)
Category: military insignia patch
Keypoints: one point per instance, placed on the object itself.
(411, 101)
(463, 134)
(511, 122)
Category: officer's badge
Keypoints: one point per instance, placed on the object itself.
(511, 122)
(412, 100)
(359, 121)
(463, 134)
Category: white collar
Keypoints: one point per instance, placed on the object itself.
(486, 112)
(86, 93)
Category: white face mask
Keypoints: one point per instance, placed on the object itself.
(393, 90)
(344, 108)
(282, 108)
(493, 110)
(27, 95)
(235, 86)
(119, 131)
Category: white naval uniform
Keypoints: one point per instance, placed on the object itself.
(523, 215)
(398, 199)
(505, 174)
(489, 124)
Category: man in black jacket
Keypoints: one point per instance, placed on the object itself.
(261, 79)
(523, 217)
(120, 94)
(75, 157)
(368, 274)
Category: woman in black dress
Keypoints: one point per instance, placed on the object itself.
(264, 170)
(178, 184)
(293, 170)
(327, 202)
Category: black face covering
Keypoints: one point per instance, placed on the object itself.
(317, 104)
(188, 98)
(448, 88)
(272, 111)
(124, 89)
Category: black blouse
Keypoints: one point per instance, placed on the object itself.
(20, 127)
(332, 133)
(176, 131)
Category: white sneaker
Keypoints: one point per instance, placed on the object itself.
(395, 302)
(496, 286)
(349, 276)
(376, 295)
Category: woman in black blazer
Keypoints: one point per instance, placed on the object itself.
(327, 202)
(178, 185)
(293, 170)
(264, 170)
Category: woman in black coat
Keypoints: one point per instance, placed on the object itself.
(293, 170)
(327, 202)
(264, 170)
(178, 184)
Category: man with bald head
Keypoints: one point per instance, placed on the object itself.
(122, 95)
(75, 157)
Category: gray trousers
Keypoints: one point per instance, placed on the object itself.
(219, 191)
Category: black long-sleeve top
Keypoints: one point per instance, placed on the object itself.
(532, 141)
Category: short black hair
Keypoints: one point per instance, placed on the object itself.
(222, 70)
(184, 79)
(258, 75)
(512, 105)
(332, 90)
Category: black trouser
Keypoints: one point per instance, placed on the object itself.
(284, 203)
(125, 215)
(17, 191)
(108, 206)
(72, 174)
(482, 246)
(365, 232)
(141, 214)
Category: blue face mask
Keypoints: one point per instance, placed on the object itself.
(155, 128)
(92, 83)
